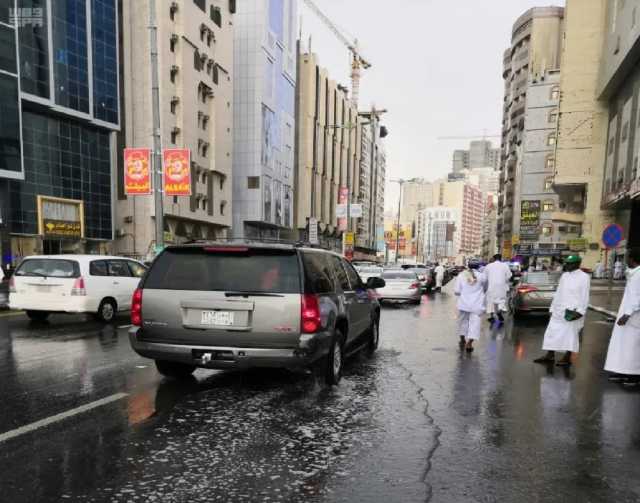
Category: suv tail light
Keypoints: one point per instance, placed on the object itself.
(526, 289)
(310, 314)
(12, 285)
(414, 286)
(78, 289)
(136, 308)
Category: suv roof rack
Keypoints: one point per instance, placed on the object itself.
(295, 243)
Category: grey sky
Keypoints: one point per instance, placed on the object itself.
(437, 67)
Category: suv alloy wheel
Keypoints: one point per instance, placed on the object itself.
(335, 359)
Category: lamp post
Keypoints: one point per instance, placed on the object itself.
(400, 182)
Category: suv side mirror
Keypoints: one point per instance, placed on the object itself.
(375, 282)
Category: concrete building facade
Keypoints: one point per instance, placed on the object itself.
(329, 136)
(438, 234)
(417, 194)
(60, 102)
(535, 49)
(195, 41)
(481, 154)
(264, 117)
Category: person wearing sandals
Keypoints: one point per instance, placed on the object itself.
(623, 356)
(568, 309)
(470, 289)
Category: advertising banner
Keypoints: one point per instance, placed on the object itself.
(529, 220)
(137, 171)
(176, 168)
(343, 194)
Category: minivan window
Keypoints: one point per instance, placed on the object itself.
(119, 268)
(98, 268)
(341, 274)
(50, 268)
(253, 270)
(317, 269)
(137, 270)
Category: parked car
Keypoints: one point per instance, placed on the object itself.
(369, 272)
(260, 305)
(401, 285)
(535, 292)
(95, 284)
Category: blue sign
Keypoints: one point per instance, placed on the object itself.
(612, 235)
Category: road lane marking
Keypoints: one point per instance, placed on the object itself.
(11, 313)
(28, 428)
(124, 326)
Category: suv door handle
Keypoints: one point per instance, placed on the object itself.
(116, 283)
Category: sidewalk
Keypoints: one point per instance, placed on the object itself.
(601, 302)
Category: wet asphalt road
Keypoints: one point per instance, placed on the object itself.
(417, 422)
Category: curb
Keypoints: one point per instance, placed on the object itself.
(604, 311)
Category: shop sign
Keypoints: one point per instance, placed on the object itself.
(176, 168)
(313, 231)
(62, 218)
(579, 244)
(137, 171)
(506, 249)
(529, 220)
(60, 228)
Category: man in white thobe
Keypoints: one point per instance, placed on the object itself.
(598, 271)
(439, 270)
(623, 357)
(618, 270)
(568, 309)
(470, 289)
(498, 277)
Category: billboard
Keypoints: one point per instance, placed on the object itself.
(137, 171)
(176, 169)
(529, 220)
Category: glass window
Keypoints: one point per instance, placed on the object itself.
(260, 271)
(50, 268)
(34, 52)
(555, 92)
(216, 15)
(119, 268)
(105, 60)
(202, 4)
(548, 206)
(70, 54)
(276, 18)
(354, 278)
(553, 116)
(98, 268)
(6, 6)
(9, 124)
(548, 184)
(318, 276)
(551, 139)
(547, 230)
(340, 274)
(8, 53)
(266, 199)
(253, 182)
(551, 162)
(137, 270)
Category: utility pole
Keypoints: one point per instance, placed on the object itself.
(157, 140)
(400, 182)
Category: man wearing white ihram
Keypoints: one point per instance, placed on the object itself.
(498, 276)
(470, 288)
(623, 357)
(569, 306)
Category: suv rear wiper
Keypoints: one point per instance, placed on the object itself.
(251, 294)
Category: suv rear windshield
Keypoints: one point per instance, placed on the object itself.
(542, 278)
(246, 270)
(399, 275)
(50, 268)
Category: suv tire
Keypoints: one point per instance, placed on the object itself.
(174, 370)
(38, 315)
(107, 311)
(374, 336)
(335, 360)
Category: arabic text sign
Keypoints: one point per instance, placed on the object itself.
(137, 171)
(176, 164)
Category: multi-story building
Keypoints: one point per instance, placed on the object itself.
(490, 228)
(195, 47)
(438, 234)
(60, 112)
(264, 117)
(486, 179)
(582, 125)
(618, 90)
(373, 166)
(417, 194)
(481, 154)
(535, 48)
(327, 153)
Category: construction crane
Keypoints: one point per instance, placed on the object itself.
(357, 62)
(483, 136)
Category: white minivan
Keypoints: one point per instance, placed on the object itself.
(96, 284)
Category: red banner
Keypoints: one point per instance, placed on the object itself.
(343, 195)
(137, 171)
(176, 168)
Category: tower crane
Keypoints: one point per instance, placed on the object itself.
(357, 63)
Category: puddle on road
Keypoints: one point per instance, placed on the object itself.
(274, 440)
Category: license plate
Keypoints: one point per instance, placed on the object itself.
(219, 318)
(43, 288)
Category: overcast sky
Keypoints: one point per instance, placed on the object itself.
(437, 68)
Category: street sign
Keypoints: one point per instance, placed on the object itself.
(313, 231)
(612, 235)
(349, 238)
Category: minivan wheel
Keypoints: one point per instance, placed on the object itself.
(106, 311)
(174, 370)
(38, 315)
(335, 360)
(374, 337)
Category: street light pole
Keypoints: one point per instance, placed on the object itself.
(400, 183)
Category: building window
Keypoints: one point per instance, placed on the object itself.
(216, 15)
(551, 139)
(625, 131)
(173, 73)
(215, 73)
(612, 145)
(547, 230)
(174, 106)
(175, 199)
(196, 60)
(253, 182)
(204, 178)
(553, 116)
(551, 162)
(202, 4)
(205, 150)
(555, 92)
(222, 183)
(204, 205)
(548, 184)
(548, 206)
(222, 205)
(174, 137)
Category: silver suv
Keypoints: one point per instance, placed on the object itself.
(227, 306)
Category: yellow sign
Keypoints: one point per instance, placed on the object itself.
(349, 238)
(62, 229)
(515, 239)
(506, 249)
(579, 244)
(58, 217)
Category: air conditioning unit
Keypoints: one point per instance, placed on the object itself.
(120, 233)
(174, 7)
(175, 69)
(176, 130)
(175, 99)
(128, 219)
(174, 37)
(210, 93)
